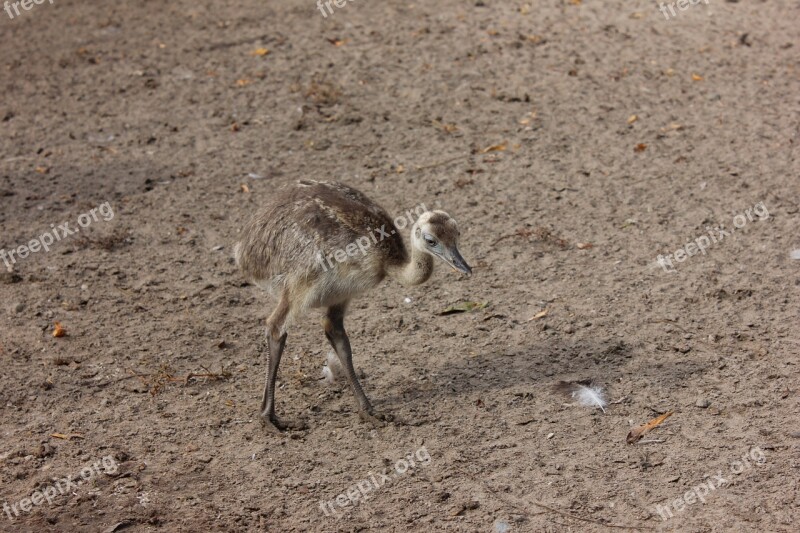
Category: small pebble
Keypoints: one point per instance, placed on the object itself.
(703, 403)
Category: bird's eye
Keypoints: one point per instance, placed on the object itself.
(430, 241)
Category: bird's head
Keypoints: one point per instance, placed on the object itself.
(436, 233)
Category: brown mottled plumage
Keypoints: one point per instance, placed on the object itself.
(319, 244)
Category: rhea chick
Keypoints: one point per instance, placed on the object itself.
(321, 244)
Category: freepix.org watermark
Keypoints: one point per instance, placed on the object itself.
(362, 244)
(700, 244)
(683, 5)
(67, 485)
(321, 5)
(359, 491)
(25, 4)
(46, 240)
(701, 491)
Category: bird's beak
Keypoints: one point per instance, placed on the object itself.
(458, 262)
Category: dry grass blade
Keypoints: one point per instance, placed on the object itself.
(66, 436)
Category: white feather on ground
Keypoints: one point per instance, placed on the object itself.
(587, 393)
(332, 370)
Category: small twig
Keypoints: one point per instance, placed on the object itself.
(522, 232)
(446, 161)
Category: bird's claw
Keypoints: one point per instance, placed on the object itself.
(376, 418)
(276, 425)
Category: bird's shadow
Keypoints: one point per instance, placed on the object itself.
(534, 366)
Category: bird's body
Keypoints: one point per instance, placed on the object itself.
(292, 242)
(320, 244)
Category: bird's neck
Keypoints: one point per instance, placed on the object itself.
(416, 270)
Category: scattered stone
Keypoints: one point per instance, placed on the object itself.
(702, 403)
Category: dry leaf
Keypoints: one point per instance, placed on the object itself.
(245, 188)
(632, 119)
(638, 432)
(641, 147)
(400, 169)
(535, 39)
(42, 170)
(259, 52)
(242, 82)
(338, 42)
(494, 148)
(540, 314)
(58, 330)
(697, 77)
(584, 245)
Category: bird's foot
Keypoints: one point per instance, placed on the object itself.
(376, 418)
(275, 425)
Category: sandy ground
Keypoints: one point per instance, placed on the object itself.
(574, 142)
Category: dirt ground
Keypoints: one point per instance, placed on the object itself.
(574, 142)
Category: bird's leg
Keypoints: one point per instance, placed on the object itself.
(276, 341)
(334, 331)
